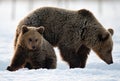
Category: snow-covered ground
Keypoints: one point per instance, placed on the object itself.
(96, 70)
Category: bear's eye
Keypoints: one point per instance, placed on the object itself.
(30, 39)
(36, 40)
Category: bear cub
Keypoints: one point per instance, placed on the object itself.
(32, 51)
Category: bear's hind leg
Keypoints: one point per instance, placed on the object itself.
(28, 65)
(70, 57)
(75, 60)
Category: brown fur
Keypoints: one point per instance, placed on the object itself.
(74, 32)
(32, 51)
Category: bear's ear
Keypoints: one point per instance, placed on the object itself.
(41, 29)
(85, 12)
(103, 37)
(24, 29)
(111, 31)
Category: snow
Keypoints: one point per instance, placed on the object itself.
(96, 69)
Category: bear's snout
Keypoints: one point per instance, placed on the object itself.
(111, 62)
(33, 47)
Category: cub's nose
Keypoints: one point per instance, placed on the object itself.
(33, 47)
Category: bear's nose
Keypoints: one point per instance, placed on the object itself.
(33, 47)
(111, 62)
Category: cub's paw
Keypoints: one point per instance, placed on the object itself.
(9, 68)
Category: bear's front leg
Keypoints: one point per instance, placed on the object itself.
(83, 55)
(15, 40)
(18, 60)
(51, 62)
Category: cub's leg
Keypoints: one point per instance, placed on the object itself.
(51, 63)
(18, 60)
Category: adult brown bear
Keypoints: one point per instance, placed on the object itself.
(75, 33)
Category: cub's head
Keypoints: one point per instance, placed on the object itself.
(31, 37)
(104, 46)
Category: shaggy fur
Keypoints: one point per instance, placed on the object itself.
(73, 32)
(32, 51)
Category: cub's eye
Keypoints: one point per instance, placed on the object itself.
(30, 39)
(36, 40)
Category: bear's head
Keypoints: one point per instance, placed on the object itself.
(104, 46)
(31, 37)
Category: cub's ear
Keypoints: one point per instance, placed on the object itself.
(103, 36)
(41, 29)
(111, 31)
(24, 29)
